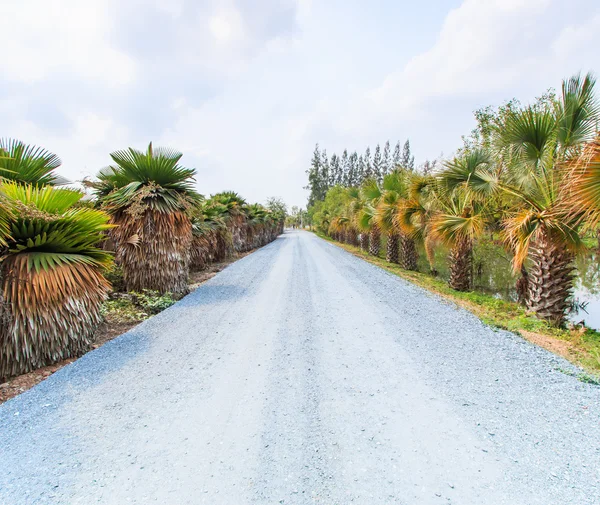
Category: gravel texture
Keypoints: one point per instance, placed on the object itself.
(304, 375)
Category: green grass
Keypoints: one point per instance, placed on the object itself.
(582, 346)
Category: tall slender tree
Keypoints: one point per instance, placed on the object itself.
(335, 176)
(325, 169)
(386, 160)
(345, 168)
(408, 160)
(368, 172)
(314, 178)
(377, 164)
(361, 170)
(353, 169)
(397, 156)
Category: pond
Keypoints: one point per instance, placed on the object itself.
(493, 274)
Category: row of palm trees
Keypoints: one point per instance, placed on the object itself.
(534, 184)
(57, 244)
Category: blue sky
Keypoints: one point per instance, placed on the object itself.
(246, 88)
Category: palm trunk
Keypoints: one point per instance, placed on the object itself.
(158, 258)
(461, 266)
(392, 248)
(430, 253)
(45, 324)
(523, 286)
(363, 242)
(374, 242)
(351, 236)
(409, 253)
(550, 280)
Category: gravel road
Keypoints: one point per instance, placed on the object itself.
(304, 375)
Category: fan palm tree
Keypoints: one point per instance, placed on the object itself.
(584, 183)
(370, 193)
(236, 217)
(458, 223)
(52, 280)
(222, 239)
(386, 204)
(413, 214)
(340, 228)
(149, 196)
(256, 226)
(463, 194)
(28, 164)
(535, 145)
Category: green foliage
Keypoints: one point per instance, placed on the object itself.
(152, 179)
(28, 164)
(47, 228)
(152, 302)
(134, 306)
(114, 275)
(278, 208)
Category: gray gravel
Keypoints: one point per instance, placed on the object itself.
(304, 375)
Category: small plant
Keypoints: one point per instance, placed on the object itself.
(134, 306)
(122, 310)
(153, 302)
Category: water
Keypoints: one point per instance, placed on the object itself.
(493, 274)
(587, 289)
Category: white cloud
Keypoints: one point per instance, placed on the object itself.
(484, 45)
(85, 149)
(245, 89)
(579, 41)
(227, 26)
(67, 36)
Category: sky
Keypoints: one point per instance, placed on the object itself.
(246, 88)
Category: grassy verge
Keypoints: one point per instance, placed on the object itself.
(579, 345)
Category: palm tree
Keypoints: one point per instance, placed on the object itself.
(386, 206)
(149, 197)
(257, 220)
(207, 223)
(463, 194)
(28, 164)
(236, 220)
(458, 223)
(366, 220)
(52, 280)
(584, 183)
(340, 228)
(414, 213)
(535, 144)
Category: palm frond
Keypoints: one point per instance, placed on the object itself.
(151, 179)
(579, 112)
(28, 164)
(584, 178)
(473, 170)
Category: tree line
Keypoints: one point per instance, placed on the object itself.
(352, 169)
(528, 176)
(144, 228)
